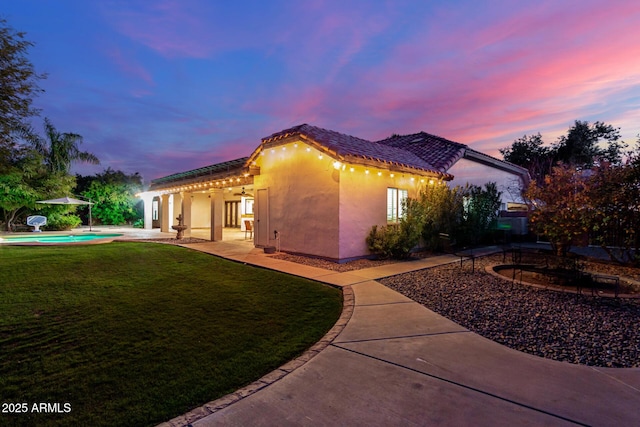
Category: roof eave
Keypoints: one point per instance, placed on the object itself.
(200, 179)
(497, 163)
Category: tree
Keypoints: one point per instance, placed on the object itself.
(581, 146)
(113, 194)
(18, 86)
(560, 207)
(25, 181)
(61, 149)
(614, 196)
(531, 153)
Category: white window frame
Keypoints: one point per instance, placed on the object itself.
(395, 203)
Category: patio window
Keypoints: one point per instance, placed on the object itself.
(154, 211)
(395, 203)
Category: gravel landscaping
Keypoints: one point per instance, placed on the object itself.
(566, 327)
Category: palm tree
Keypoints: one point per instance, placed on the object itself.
(61, 149)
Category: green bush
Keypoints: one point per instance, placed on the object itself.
(397, 240)
(58, 222)
(467, 214)
(443, 210)
(139, 223)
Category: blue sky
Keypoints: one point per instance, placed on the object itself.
(159, 87)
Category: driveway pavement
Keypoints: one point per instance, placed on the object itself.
(392, 362)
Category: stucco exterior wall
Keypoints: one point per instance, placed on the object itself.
(200, 210)
(363, 204)
(467, 171)
(303, 198)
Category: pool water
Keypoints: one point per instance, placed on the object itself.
(60, 238)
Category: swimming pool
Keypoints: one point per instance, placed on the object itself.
(59, 239)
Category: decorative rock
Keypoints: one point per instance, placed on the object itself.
(561, 326)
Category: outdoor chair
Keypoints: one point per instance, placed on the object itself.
(36, 221)
(248, 228)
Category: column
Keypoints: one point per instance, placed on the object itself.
(177, 207)
(217, 214)
(165, 215)
(147, 201)
(186, 213)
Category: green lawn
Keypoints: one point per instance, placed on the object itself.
(138, 333)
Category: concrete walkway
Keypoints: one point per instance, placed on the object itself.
(396, 363)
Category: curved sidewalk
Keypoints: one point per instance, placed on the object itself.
(398, 363)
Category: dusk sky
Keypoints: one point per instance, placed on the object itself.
(159, 87)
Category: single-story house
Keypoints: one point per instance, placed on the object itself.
(318, 192)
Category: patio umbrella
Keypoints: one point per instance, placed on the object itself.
(69, 201)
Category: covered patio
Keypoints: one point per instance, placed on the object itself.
(214, 202)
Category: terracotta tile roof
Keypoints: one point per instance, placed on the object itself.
(419, 151)
(437, 151)
(349, 147)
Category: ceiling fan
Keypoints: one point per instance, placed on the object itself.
(243, 194)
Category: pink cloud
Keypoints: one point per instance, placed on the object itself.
(482, 78)
(169, 27)
(494, 90)
(130, 66)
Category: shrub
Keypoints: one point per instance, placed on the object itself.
(442, 207)
(481, 207)
(467, 214)
(397, 240)
(59, 222)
